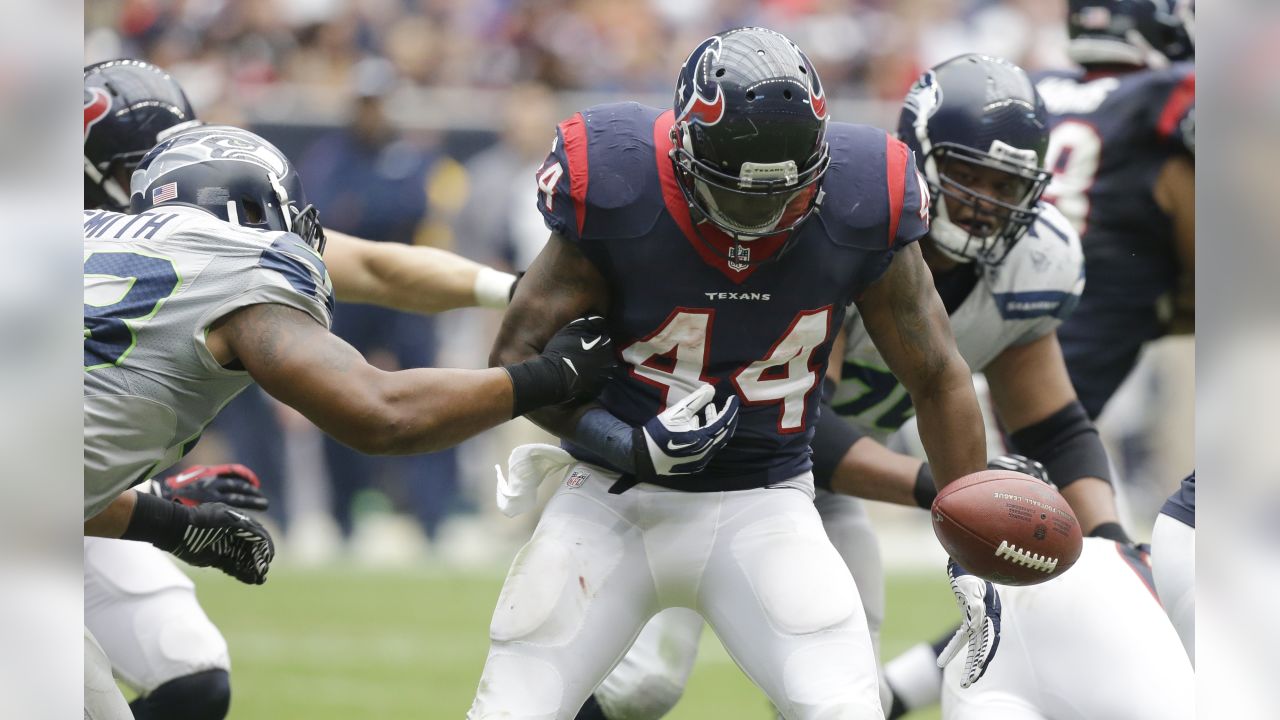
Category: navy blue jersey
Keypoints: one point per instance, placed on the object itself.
(682, 313)
(1111, 136)
(1181, 505)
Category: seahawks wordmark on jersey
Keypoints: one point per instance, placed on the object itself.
(153, 285)
(1023, 298)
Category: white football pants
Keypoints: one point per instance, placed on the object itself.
(1093, 644)
(756, 564)
(102, 699)
(1173, 562)
(143, 611)
(649, 680)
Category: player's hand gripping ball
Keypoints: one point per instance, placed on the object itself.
(1007, 527)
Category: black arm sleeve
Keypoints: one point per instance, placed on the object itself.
(1067, 444)
(831, 439)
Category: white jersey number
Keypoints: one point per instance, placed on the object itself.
(675, 357)
(1075, 152)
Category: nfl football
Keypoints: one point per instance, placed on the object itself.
(1007, 527)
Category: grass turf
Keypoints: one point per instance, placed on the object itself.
(358, 643)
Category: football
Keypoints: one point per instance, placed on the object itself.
(1007, 527)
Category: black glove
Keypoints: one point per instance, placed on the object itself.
(574, 365)
(234, 485)
(208, 535)
(1019, 463)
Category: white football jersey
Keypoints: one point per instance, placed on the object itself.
(1021, 299)
(153, 285)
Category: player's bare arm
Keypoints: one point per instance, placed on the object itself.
(1175, 193)
(867, 469)
(303, 365)
(907, 322)
(1030, 387)
(561, 284)
(114, 518)
(412, 278)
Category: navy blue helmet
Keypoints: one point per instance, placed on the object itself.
(1130, 32)
(749, 138)
(230, 173)
(980, 132)
(129, 106)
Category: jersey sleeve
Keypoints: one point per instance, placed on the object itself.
(1054, 278)
(908, 194)
(1176, 122)
(562, 181)
(284, 272)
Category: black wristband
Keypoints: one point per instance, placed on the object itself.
(158, 521)
(535, 383)
(925, 491)
(1111, 531)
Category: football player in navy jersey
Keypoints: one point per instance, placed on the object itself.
(723, 241)
(1122, 151)
(1008, 268)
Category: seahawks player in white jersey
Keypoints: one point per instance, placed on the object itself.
(135, 597)
(218, 282)
(1009, 268)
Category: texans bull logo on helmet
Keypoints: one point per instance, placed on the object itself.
(691, 91)
(97, 103)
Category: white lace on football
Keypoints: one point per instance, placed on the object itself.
(1016, 555)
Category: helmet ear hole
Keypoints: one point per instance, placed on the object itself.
(253, 212)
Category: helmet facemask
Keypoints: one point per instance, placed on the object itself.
(764, 199)
(984, 201)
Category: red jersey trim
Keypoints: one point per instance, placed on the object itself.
(896, 156)
(678, 209)
(574, 132)
(1180, 100)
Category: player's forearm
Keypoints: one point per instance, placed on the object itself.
(424, 410)
(112, 521)
(872, 471)
(1093, 501)
(950, 423)
(410, 277)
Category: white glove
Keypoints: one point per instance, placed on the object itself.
(684, 438)
(980, 604)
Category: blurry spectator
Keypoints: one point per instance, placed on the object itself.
(499, 223)
(372, 182)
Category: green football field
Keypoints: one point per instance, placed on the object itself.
(348, 642)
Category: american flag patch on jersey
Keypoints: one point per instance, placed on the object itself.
(164, 193)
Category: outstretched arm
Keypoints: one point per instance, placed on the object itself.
(299, 362)
(412, 278)
(908, 324)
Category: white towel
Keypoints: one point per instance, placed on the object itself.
(527, 468)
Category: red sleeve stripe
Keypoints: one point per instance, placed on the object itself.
(896, 156)
(574, 132)
(1182, 98)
